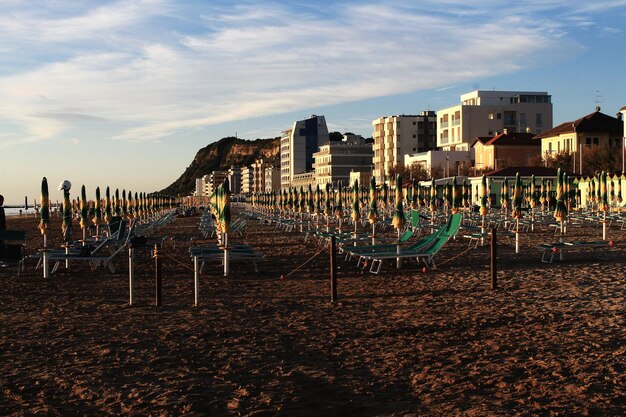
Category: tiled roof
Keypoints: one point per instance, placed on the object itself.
(596, 122)
(523, 172)
(509, 139)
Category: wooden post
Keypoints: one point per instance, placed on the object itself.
(333, 270)
(196, 280)
(494, 271)
(158, 276)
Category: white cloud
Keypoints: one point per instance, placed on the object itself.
(146, 82)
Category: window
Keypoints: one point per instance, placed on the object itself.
(595, 141)
(522, 119)
(588, 141)
(538, 120)
(414, 136)
(490, 116)
(499, 116)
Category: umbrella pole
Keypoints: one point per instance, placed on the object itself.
(398, 260)
(373, 233)
(604, 226)
(532, 219)
(561, 240)
(46, 262)
(516, 235)
(196, 281)
(226, 255)
(482, 231)
(131, 278)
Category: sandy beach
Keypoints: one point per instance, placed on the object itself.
(550, 340)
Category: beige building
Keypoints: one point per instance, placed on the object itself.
(234, 179)
(505, 150)
(258, 175)
(335, 160)
(304, 180)
(297, 146)
(363, 177)
(483, 113)
(246, 180)
(595, 129)
(213, 180)
(272, 179)
(396, 136)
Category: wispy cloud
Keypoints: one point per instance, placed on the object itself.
(119, 65)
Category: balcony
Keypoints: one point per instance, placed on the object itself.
(456, 122)
(443, 125)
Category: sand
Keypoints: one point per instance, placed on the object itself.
(550, 340)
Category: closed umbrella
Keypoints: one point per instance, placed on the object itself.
(97, 217)
(66, 225)
(356, 209)
(454, 196)
(619, 189)
(398, 215)
(517, 208)
(107, 205)
(604, 201)
(83, 212)
(339, 204)
(533, 201)
(372, 215)
(44, 223)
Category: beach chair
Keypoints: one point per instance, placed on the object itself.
(13, 248)
(599, 247)
(425, 253)
(214, 253)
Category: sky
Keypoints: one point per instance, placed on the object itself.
(124, 93)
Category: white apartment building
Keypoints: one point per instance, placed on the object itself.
(396, 136)
(335, 160)
(199, 192)
(246, 180)
(484, 113)
(297, 146)
(258, 175)
(272, 179)
(234, 180)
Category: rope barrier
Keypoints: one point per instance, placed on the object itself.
(305, 262)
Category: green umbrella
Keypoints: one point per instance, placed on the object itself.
(414, 194)
(339, 202)
(504, 198)
(310, 200)
(533, 197)
(604, 195)
(466, 194)
(385, 195)
(107, 205)
(124, 204)
(356, 210)
(433, 196)
(518, 197)
(83, 208)
(372, 215)
(131, 205)
(619, 189)
(483, 198)
(44, 222)
(453, 196)
(116, 202)
(398, 214)
(560, 213)
(97, 209)
(328, 207)
(66, 226)
(318, 200)
(302, 200)
(225, 206)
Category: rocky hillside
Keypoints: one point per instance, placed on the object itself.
(221, 155)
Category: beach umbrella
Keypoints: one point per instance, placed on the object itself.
(328, 208)
(544, 193)
(465, 194)
(433, 197)
(107, 205)
(302, 200)
(612, 190)
(356, 210)
(44, 222)
(116, 202)
(453, 196)
(318, 200)
(225, 206)
(97, 209)
(414, 194)
(604, 195)
(131, 207)
(137, 205)
(398, 214)
(483, 198)
(385, 195)
(66, 225)
(124, 204)
(84, 210)
(339, 200)
(533, 198)
(504, 195)
(560, 212)
(372, 215)
(619, 190)
(517, 198)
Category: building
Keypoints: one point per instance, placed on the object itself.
(246, 180)
(272, 179)
(297, 146)
(335, 160)
(234, 180)
(483, 113)
(506, 149)
(214, 180)
(450, 162)
(199, 191)
(594, 129)
(396, 136)
(258, 175)
(304, 180)
(363, 177)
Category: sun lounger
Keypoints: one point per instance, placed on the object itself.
(549, 250)
(425, 253)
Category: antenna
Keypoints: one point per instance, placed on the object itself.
(598, 100)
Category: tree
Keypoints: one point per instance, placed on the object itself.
(562, 160)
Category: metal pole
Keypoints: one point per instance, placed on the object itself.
(494, 272)
(131, 273)
(333, 270)
(196, 280)
(158, 276)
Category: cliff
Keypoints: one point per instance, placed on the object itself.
(220, 156)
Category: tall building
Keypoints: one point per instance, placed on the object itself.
(234, 180)
(396, 136)
(483, 113)
(335, 160)
(272, 179)
(246, 180)
(258, 175)
(215, 179)
(297, 146)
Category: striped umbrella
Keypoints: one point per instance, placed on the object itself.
(84, 210)
(604, 195)
(310, 200)
(433, 196)
(124, 204)
(483, 197)
(466, 194)
(302, 200)
(339, 201)
(97, 209)
(454, 199)
(619, 189)
(116, 202)
(131, 205)
(560, 212)
(225, 206)
(612, 190)
(107, 205)
(533, 198)
(318, 200)
(44, 222)
(385, 195)
(328, 202)
(356, 209)
(372, 215)
(398, 214)
(518, 197)
(543, 193)
(504, 197)
(66, 225)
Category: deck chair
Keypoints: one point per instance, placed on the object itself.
(97, 257)
(214, 253)
(426, 252)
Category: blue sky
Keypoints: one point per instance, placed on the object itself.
(124, 93)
